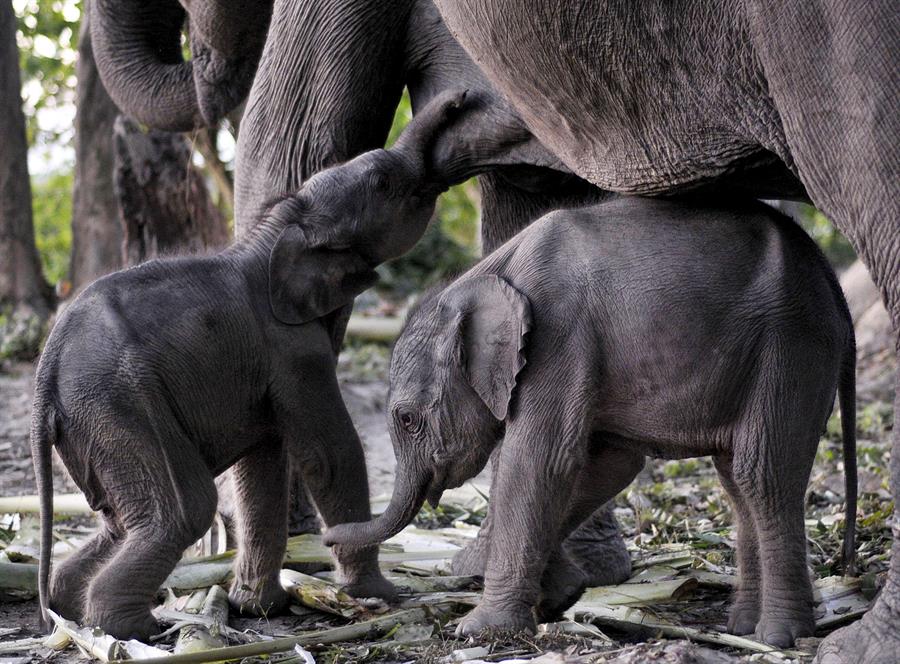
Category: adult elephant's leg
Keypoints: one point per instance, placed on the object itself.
(326, 90)
(301, 511)
(836, 88)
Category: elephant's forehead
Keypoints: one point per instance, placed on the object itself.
(413, 363)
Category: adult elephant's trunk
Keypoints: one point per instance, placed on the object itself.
(137, 46)
(408, 496)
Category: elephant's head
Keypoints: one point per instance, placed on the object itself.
(453, 375)
(348, 219)
(137, 46)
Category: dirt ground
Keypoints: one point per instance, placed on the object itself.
(673, 503)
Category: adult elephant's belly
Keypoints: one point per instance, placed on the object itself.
(639, 98)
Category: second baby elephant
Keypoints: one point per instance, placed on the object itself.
(600, 336)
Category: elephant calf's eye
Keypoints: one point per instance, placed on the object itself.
(409, 421)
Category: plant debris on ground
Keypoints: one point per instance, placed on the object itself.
(675, 519)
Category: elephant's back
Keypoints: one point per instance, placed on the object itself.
(677, 274)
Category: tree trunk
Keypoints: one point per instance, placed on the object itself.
(25, 296)
(96, 232)
(163, 201)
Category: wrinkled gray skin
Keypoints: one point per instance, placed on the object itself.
(158, 378)
(653, 97)
(597, 337)
(780, 98)
(325, 92)
(137, 46)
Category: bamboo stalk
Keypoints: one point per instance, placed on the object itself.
(18, 579)
(374, 329)
(100, 645)
(325, 637)
(636, 593)
(199, 575)
(63, 503)
(20, 645)
(320, 595)
(635, 619)
(431, 584)
(212, 604)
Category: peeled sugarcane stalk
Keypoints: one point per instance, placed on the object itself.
(212, 604)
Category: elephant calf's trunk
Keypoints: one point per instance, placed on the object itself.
(405, 504)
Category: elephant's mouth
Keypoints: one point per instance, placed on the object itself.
(436, 488)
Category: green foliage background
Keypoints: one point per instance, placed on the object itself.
(52, 205)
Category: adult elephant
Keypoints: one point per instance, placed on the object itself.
(328, 78)
(655, 97)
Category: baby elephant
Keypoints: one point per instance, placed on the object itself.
(160, 377)
(603, 335)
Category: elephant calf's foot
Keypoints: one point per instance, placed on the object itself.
(373, 586)
(122, 623)
(483, 617)
(258, 597)
(743, 615)
(562, 584)
(781, 632)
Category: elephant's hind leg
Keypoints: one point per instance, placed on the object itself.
(744, 613)
(165, 498)
(70, 579)
(773, 456)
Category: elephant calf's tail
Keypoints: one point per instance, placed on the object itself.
(847, 398)
(43, 437)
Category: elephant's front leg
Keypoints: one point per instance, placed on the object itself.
(604, 473)
(530, 501)
(334, 469)
(261, 494)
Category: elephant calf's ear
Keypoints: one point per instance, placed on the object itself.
(306, 284)
(492, 321)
